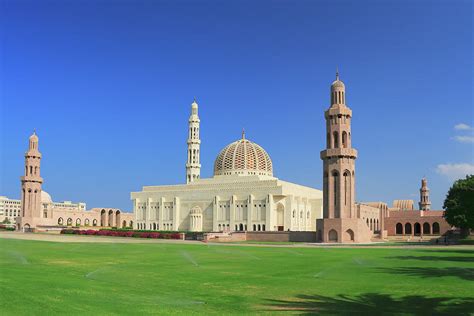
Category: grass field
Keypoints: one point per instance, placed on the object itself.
(46, 278)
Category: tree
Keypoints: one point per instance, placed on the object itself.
(459, 204)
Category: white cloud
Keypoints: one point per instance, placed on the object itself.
(464, 139)
(463, 127)
(455, 171)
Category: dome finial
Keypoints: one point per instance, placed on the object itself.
(243, 133)
(337, 73)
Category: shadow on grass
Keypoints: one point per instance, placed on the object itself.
(435, 258)
(428, 272)
(373, 304)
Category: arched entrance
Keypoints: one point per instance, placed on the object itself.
(349, 235)
(399, 229)
(117, 219)
(332, 236)
(103, 218)
(280, 217)
(435, 228)
(111, 219)
(407, 229)
(417, 229)
(426, 229)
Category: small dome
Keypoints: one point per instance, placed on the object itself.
(243, 157)
(338, 84)
(45, 197)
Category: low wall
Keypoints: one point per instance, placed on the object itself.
(282, 236)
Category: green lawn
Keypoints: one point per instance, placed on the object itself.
(45, 278)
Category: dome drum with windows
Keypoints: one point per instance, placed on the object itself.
(243, 157)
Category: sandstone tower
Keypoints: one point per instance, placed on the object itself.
(340, 222)
(193, 164)
(338, 157)
(31, 186)
(425, 203)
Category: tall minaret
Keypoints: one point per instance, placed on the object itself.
(31, 184)
(338, 157)
(425, 203)
(193, 165)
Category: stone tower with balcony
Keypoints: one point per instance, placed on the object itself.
(31, 187)
(340, 221)
(193, 163)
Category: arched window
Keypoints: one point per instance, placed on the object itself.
(294, 213)
(94, 222)
(399, 229)
(426, 229)
(336, 140)
(259, 227)
(417, 229)
(78, 222)
(86, 222)
(328, 140)
(263, 227)
(60, 221)
(154, 226)
(344, 139)
(407, 229)
(335, 176)
(347, 187)
(435, 228)
(254, 227)
(69, 221)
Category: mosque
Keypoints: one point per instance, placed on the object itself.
(243, 195)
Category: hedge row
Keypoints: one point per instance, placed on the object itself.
(124, 233)
(5, 227)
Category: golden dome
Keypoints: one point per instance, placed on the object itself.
(243, 157)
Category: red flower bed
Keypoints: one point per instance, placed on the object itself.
(121, 233)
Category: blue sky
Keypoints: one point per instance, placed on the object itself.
(108, 87)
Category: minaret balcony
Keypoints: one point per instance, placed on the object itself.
(338, 110)
(194, 141)
(31, 179)
(339, 152)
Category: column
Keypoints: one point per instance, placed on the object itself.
(250, 211)
(232, 213)
(160, 213)
(176, 213)
(215, 209)
(269, 215)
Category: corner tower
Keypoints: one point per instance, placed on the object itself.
(193, 164)
(425, 203)
(31, 186)
(338, 157)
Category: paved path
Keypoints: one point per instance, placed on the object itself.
(105, 239)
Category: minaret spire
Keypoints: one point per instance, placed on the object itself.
(425, 203)
(243, 133)
(193, 164)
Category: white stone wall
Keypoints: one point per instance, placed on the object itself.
(229, 203)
